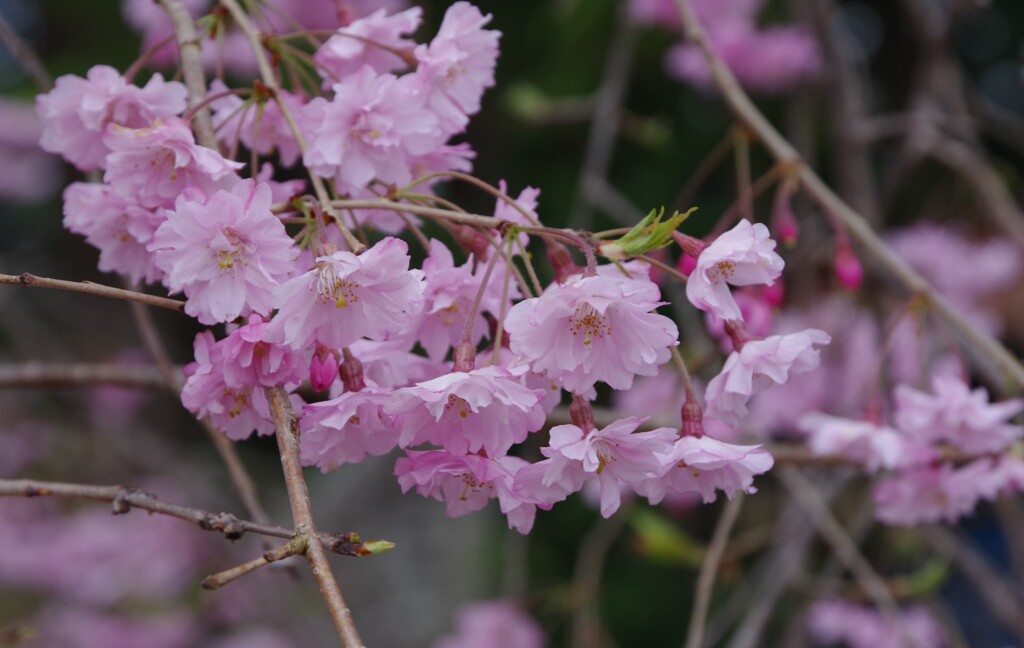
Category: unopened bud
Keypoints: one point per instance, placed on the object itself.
(561, 260)
(581, 413)
(351, 372)
(848, 268)
(774, 294)
(323, 368)
(692, 246)
(784, 222)
(471, 241)
(686, 264)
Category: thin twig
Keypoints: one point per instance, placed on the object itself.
(287, 429)
(124, 498)
(709, 571)
(858, 228)
(25, 55)
(423, 210)
(80, 374)
(190, 53)
(222, 578)
(90, 288)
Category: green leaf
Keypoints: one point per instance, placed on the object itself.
(649, 234)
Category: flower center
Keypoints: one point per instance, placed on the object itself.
(236, 253)
(723, 270)
(456, 402)
(605, 454)
(330, 287)
(589, 322)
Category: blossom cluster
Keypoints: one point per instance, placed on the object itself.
(454, 363)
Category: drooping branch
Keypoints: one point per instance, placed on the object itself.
(90, 288)
(80, 374)
(191, 57)
(124, 498)
(287, 429)
(708, 571)
(25, 55)
(982, 344)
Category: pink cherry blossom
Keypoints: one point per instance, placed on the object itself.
(831, 622)
(593, 329)
(759, 365)
(227, 253)
(743, 256)
(392, 364)
(493, 624)
(260, 126)
(466, 483)
(373, 128)
(346, 297)
(458, 65)
(154, 165)
(614, 455)
(933, 493)
(873, 446)
(373, 40)
(346, 429)
(706, 465)
(251, 360)
(449, 294)
(485, 409)
(957, 415)
(234, 410)
(119, 228)
(77, 112)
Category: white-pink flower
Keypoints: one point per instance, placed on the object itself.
(466, 483)
(485, 409)
(154, 165)
(372, 129)
(458, 65)
(831, 622)
(227, 253)
(705, 465)
(593, 329)
(77, 111)
(346, 429)
(743, 256)
(933, 493)
(346, 297)
(119, 228)
(248, 359)
(957, 415)
(614, 456)
(873, 446)
(449, 294)
(260, 126)
(373, 40)
(758, 365)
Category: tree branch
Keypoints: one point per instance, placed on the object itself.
(90, 288)
(287, 428)
(124, 498)
(25, 56)
(190, 53)
(709, 570)
(80, 374)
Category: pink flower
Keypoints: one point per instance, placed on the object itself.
(77, 111)
(449, 295)
(758, 365)
(832, 622)
(119, 228)
(234, 410)
(957, 415)
(347, 297)
(593, 329)
(743, 256)
(493, 624)
(391, 364)
(705, 465)
(373, 128)
(251, 360)
(260, 126)
(484, 409)
(769, 60)
(933, 493)
(373, 40)
(458, 65)
(346, 429)
(227, 253)
(614, 455)
(873, 446)
(466, 483)
(154, 165)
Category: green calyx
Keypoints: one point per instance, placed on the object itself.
(649, 234)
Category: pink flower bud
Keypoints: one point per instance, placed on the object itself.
(351, 372)
(561, 260)
(686, 264)
(774, 294)
(323, 369)
(848, 269)
(581, 413)
(784, 222)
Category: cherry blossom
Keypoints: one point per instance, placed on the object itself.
(873, 446)
(250, 360)
(933, 493)
(702, 464)
(375, 40)
(858, 626)
(227, 253)
(346, 297)
(493, 624)
(77, 112)
(758, 365)
(743, 256)
(346, 429)
(593, 329)
(259, 125)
